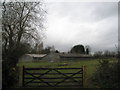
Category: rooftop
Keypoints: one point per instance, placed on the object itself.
(36, 55)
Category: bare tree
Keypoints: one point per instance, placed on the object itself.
(98, 54)
(20, 23)
(108, 53)
(87, 49)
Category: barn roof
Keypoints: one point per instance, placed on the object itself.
(36, 55)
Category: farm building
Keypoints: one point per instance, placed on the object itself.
(32, 57)
(71, 56)
(52, 57)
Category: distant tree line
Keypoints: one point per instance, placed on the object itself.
(78, 49)
(46, 50)
(106, 53)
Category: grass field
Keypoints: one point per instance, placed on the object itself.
(90, 65)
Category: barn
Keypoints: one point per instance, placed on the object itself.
(71, 56)
(32, 57)
(52, 57)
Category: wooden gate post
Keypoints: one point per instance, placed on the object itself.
(21, 77)
(84, 76)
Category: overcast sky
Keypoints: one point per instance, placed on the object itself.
(87, 23)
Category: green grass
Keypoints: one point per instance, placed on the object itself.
(90, 65)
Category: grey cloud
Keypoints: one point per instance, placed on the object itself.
(79, 11)
(105, 10)
(93, 24)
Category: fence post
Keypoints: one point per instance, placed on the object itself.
(84, 76)
(21, 76)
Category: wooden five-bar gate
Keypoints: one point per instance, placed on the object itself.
(53, 77)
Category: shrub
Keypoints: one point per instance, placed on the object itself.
(9, 74)
(106, 75)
